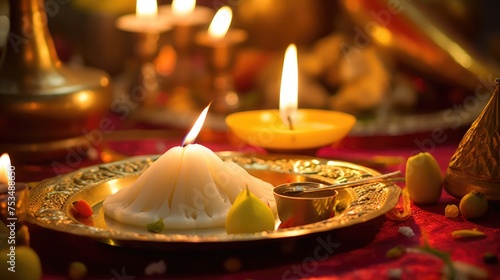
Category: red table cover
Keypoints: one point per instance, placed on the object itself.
(356, 252)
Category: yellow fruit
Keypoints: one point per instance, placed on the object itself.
(473, 205)
(21, 263)
(249, 214)
(424, 180)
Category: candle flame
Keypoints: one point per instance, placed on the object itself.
(289, 90)
(146, 8)
(220, 23)
(183, 7)
(193, 133)
(4, 169)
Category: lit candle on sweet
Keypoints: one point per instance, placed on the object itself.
(290, 128)
(145, 19)
(187, 187)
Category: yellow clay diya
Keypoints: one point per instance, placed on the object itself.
(290, 128)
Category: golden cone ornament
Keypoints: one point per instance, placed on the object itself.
(475, 166)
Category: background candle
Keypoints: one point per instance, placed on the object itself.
(13, 202)
(186, 19)
(147, 26)
(145, 19)
(219, 33)
(218, 43)
(186, 12)
(290, 128)
(312, 128)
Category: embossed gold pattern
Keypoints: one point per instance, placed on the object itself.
(475, 164)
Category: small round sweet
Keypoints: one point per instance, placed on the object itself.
(473, 205)
(451, 211)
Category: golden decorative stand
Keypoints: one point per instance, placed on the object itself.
(475, 166)
(46, 108)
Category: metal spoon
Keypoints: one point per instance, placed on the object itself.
(298, 188)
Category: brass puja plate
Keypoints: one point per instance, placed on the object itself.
(50, 200)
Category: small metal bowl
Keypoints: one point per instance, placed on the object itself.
(304, 208)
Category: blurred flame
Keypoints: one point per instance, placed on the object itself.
(183, 7)
(221, 22)
(193, 133)
(146, 8)
(83, 97)
(382, 35)
(4, 169)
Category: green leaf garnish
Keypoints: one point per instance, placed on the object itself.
(156, 227)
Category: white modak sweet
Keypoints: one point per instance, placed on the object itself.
(188, 187)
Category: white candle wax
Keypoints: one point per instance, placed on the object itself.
(199, 192)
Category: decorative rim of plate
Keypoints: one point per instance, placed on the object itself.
(49, 199)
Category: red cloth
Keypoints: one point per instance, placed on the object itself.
(357, 252)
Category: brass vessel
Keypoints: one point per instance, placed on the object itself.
(475, 164)
(46, 108)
